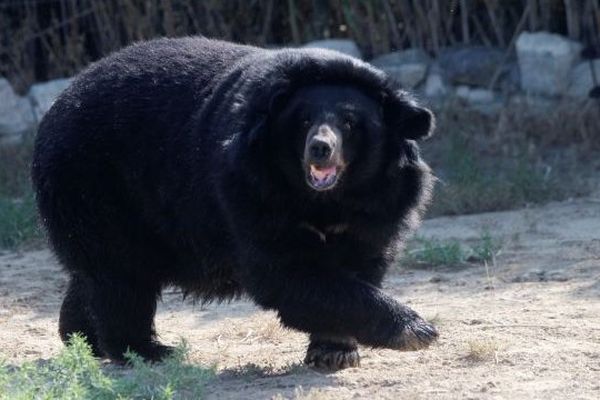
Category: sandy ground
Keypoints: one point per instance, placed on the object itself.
(527, 327)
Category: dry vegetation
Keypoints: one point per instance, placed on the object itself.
(76, 374)
(263, 330)
(14, 169)
(44, 39)
(18, 221)
(483, 350)
(524, 155)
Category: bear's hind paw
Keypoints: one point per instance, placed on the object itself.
(331, 359)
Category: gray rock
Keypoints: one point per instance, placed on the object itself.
(16, 115)
(558, 276)
(536, 105)
(511, 79)
(42, 95)
(408, 67)
(408, 75)
(483, 100)
(541, 276)
(345, 46)
(581, 78)
(439, 279)
(545, 61)
(435, 87)
(475, 95)
(474, 66)
(409, 56)
(531, 276)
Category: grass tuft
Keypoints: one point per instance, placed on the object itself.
(424, 252)
(486, 249)
(432, 252)
(18, 215)
(76, 374)
(483, 350)
(18, 222)
(15, 161)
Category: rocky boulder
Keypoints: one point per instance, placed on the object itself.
(16, 115)
(475, 95)
(435, 86)
(482, 100)
(582, 78)
(545, 62)
(42, 95)
(408, 67)
(345, 46)
(474, 66)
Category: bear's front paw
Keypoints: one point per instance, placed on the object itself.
(416, 334)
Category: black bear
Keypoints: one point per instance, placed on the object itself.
(289, 176)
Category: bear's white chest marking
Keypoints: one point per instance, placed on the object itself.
(328, 230)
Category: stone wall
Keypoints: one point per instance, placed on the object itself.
(543, 67)
(19, 115)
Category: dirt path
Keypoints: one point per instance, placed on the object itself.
(527, 328)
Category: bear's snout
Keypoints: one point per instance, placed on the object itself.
(322, 146)
(319, 150)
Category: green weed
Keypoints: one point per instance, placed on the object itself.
(486, 248)
(18, 221)
(15, 161)
(18, 217)
(423, 252)
(432, 252)
(76, 374)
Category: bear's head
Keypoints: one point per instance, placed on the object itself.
(331, 135)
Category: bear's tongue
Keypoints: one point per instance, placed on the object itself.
(321, 174)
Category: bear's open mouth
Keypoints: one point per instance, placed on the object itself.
(323, 177)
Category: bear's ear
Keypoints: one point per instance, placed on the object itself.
(407, 118)
(277, 100)
(269, 104)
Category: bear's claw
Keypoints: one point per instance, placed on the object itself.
(417, 334)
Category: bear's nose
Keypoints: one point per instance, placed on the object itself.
(319, 149)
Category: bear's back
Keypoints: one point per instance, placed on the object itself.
(120, 129)
(135, 88)
(138, 100)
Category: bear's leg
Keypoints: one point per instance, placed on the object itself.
(320, 302)
(332, 353)
(75, 315)
(124, 311)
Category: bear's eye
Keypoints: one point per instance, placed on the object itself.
(349, 122)
(305, 122)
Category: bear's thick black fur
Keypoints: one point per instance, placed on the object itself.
(180, 162)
